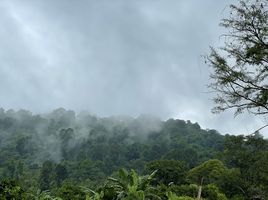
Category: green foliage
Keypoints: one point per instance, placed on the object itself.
(239, 76)
(60, 174)
(10, 190)
(168, 171)
(212, 192)
(46, 176)
(45, 195)
(69, 154)
(128, 186)
(208, 172)
(249, 154)
(172, 196)
(184, 190)
(69, 191)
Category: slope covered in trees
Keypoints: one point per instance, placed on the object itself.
(62, 155)
(70, 156)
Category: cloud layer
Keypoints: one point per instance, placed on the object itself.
(112, 58)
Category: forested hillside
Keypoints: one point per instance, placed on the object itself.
(120, 59)
(70, 156)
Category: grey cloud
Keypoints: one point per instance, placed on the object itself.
(111, 57)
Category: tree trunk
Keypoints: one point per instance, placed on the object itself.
(200, 190)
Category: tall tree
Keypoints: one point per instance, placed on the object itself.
(240, 68)
(46, 176)
(250, 155)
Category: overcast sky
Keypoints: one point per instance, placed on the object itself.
(120, 57)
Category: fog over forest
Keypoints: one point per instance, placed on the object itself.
(133, 100)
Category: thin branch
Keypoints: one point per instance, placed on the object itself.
(260, 128)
